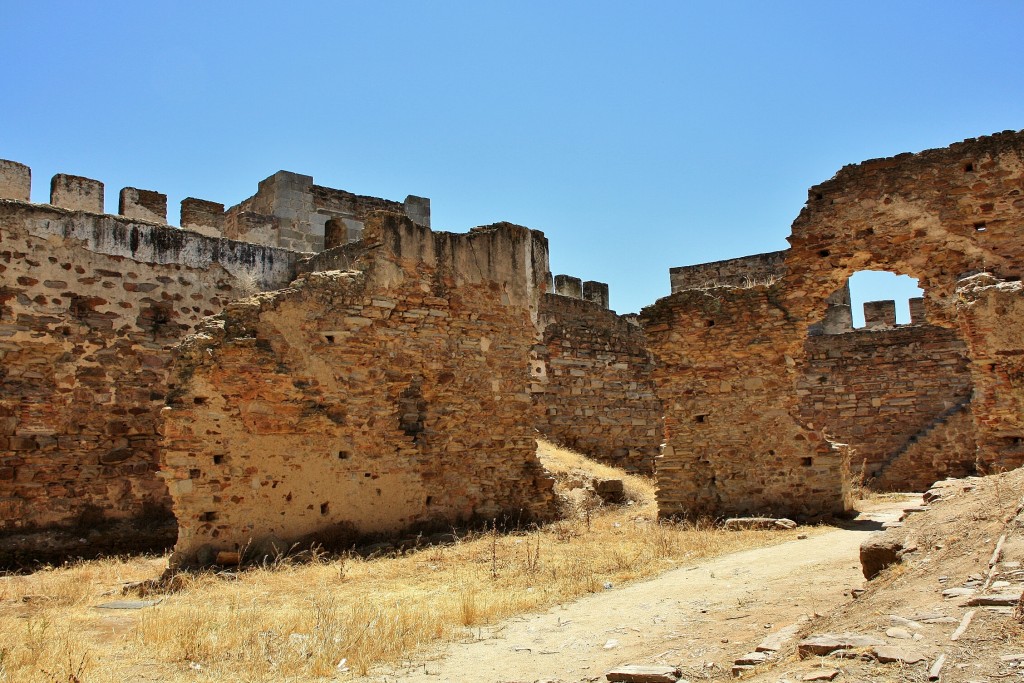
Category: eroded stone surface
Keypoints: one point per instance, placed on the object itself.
(364, 401)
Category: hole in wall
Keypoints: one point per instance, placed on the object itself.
(879, 285)
(824, 252)
(208, 517)
(199, 400)
(700, 418)
(711, 323)
(343, 455)
(980, 226)
(218, 459)
(968, 167)
(430, 499)
(806, 462)
(329, 338)
(325, 508)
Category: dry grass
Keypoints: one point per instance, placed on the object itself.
(300, 621)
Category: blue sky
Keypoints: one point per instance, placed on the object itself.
(638, 137)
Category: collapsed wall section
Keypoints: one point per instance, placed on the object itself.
(90, 305)
(725, 373)
(591, 382)
(388, 397)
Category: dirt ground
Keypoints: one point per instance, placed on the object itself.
(700, 619)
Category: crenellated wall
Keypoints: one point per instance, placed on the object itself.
(90, 306)
(591, 381)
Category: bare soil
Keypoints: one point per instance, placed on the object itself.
(699, 618)
(702, 618)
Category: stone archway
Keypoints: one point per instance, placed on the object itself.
(727, 353)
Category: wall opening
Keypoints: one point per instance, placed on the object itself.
(876, 285)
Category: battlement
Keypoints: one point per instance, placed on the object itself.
(882, 314)
(288, 211)
(575, 288)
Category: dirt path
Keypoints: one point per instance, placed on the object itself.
(700, 618)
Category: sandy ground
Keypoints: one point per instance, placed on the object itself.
(699, 618)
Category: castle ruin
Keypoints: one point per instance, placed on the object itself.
(313, 364)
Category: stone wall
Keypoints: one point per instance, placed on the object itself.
(991, 316)
(732, 442)
(592, 384)
(387, 397)
(878, 390)
(737, 272)
(90, 306)
(289, 211)
(938, 216)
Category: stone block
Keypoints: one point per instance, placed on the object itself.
(879, 551)
(76, 193)
(202, 216)
(418, 209)
(596, 292)
(567, 285)
(145, 205)
(879, 314)
(15, 181)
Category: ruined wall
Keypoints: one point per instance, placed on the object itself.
(946, 447)
(936, 216)
(373, 400)
(592, 384)
(289, 211)
(737, 272)
(732, 444)
(991, 316)
(90, 305)
(877, 390)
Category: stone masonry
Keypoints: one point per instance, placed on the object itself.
(592, 383)
(90, 307)
(372, 400)
(411, 369)
(732, 442)
(939, 216)
(880, 390)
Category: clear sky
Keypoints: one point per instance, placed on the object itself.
(637, 136)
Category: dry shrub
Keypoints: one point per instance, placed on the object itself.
(292, 620)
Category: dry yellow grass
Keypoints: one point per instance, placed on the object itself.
(301, 621)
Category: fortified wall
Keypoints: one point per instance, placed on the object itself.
(737, 362)
(92, 304)
(591, 379)
(386, 397)
(879, 389)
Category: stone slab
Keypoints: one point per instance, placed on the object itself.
(826, 643)
(638, 673)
